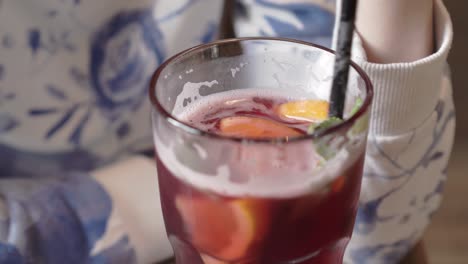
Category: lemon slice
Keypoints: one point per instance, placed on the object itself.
(338, 185)
(254, 127)
(226, 230)
(306, 110)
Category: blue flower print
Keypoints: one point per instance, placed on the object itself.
(318, 18)
(305, 20)
(18, 163)
(385, 253)
(124, 54)
(75, 208)
(2, 71)
(9, 253)
(7, 123)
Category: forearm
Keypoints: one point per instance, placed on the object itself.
(133, 186)
(396, 30)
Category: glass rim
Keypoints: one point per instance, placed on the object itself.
(346, 124)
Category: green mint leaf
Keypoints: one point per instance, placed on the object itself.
(357, 106)
(361, 124)
(324, 125)
(323, 149)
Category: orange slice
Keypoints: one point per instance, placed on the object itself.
(224, 230)
(254, 127)
(306, 110)
(338, 184)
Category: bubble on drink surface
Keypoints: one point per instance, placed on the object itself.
(201, 151)
(234, 71)
(190, 91)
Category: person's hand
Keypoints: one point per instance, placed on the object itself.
(396, 30)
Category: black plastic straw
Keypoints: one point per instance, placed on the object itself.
(343, 58)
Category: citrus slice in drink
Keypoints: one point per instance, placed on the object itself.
(255, 127)
(305, 110)
(226, 230)
(338, 184)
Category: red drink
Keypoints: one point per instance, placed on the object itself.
(242, 179)
(272, 207)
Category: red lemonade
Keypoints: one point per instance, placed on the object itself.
(278, 204)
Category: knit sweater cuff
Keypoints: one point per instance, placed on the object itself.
(407, 93)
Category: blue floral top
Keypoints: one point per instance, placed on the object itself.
(73, 81)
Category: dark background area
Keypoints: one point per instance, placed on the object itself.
(458, 60)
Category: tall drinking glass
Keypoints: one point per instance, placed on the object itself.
(239, 184)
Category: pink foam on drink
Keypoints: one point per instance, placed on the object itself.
(254, 169)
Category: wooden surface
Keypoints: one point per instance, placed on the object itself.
(416, 256)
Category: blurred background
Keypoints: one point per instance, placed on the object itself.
(447, 238)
